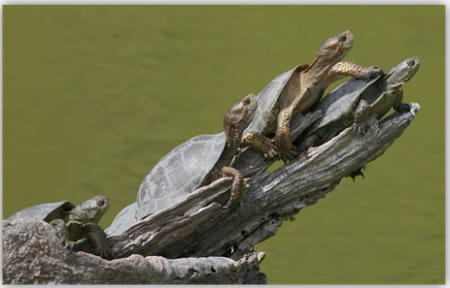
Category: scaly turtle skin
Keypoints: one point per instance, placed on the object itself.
(354, 100)
(72, 223)
(296, 91)
(197, 162)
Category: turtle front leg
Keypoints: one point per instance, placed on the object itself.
(260, 143)
(237, 187)
(98, 238)
(398, 105)
(343, 69)
(362, 113)
(60, 228)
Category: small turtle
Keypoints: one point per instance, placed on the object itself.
(354, 100)
(197, 162)
(296, 91)
(71, 223)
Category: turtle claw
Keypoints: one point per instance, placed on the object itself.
(374, 71)
(357, 172)
(69, 245)
(105, 253)
(291, 155)
(271, 154)
(360, 129)
(231, 205)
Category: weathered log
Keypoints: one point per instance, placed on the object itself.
(32, 254)
(199, 227)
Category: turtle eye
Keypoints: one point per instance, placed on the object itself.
(343, 38)
(100, 202)
(411, 62)
(246, 100)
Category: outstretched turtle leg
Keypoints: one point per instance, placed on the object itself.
(237, 187)
(344, 68)
(98, 238)
(362, 113)
(260, 143)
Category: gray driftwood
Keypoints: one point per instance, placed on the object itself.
(207, 244)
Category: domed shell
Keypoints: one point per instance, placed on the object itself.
(46, 212)
(179, 173)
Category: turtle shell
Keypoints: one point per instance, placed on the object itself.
(46, 212)
(123, 220)
(378, 100)
(265, 118)
(179, 173)
(338, 107)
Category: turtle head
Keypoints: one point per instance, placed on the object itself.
(91, 210)
(330, 52)
(403, 72)
(334, 49)
(239, 117)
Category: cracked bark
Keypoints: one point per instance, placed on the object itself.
(195, 241)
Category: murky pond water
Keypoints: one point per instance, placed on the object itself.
(94, 96)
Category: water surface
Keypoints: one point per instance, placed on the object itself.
(94, 96)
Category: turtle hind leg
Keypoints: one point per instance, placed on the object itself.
(98, 238)
(362, 113)
(291, 155)
(357, 172)
(237, 187)
(282, 139)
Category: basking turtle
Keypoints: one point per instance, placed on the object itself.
(296, 91)
(354, 100)
(73, 223)
(198, 162)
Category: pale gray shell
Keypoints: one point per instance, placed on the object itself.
(123, 220)
(46, 212)
(267, 99)
(338, 105)
(179, 173)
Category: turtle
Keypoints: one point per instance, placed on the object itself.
(353, 101)
(296, 91)
(195, 163)
(72, 223)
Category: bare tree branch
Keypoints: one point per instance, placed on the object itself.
(198, 226)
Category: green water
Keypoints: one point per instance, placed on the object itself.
(94, 96)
